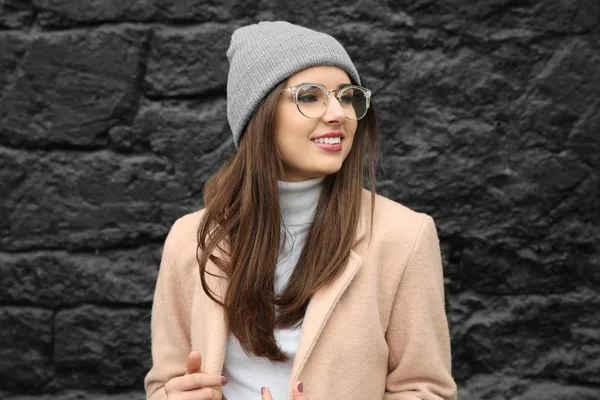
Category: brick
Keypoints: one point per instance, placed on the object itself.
(102, 347)
(188, 61)
(56, 279)
(531, 336)
(73, 87)
(25, 348)
(81, 189)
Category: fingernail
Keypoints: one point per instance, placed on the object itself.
(301, 387)
(262, 390)
(223, 380)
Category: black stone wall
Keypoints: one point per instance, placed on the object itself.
(112, 116)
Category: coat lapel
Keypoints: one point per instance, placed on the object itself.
(318, 311)
(323, 302)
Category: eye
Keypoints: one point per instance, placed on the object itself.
(346, 98)
(307, 98)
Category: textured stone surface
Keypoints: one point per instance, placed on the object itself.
(503, 387)
(61, 13)
(13, 46)
(86, 200)
(90, 200)
(78, 395)
(188, 61)
(73, 87)
(535, 336)
(58, 278)
(68, 13)
(25, 348)
(15, 14)
(193, 135)
(112, 117)
(101, 347)
(547, 17)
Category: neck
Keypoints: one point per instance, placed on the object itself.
(298, 200)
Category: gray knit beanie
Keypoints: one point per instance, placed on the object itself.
(263, 55)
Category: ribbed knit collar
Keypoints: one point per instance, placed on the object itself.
(298, 200)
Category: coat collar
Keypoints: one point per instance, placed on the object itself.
(317, 313)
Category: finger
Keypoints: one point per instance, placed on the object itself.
(299, 391)
(266, 393)
(201, 394)
(197, 381)
(194, 363)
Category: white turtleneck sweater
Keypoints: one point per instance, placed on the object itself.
(246, 375)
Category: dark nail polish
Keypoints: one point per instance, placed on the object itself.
(301, 387)
(262, 390)
(223, 380)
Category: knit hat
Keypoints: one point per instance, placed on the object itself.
(263, 55)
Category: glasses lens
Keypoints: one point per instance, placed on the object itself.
(312, 101)
(354, 102)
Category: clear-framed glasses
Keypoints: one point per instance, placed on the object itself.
(312, 99)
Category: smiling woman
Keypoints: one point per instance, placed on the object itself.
(313, 132)
(294, 281)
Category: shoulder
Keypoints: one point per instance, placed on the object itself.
(187, 222)
(182, 235)
(398, 235)
(393, 218)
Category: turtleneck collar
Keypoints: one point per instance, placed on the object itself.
(298, 200)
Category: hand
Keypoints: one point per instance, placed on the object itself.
(298, 395)
(194, 384)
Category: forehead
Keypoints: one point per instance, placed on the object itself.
(327, 75)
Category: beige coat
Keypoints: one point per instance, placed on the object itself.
(379, 331)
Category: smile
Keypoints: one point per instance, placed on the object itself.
(331, 140)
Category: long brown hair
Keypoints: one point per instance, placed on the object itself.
(242, 221)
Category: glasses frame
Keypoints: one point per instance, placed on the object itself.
(296, 89)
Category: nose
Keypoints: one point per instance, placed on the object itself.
(334, 112)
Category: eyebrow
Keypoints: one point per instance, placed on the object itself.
(341, 85)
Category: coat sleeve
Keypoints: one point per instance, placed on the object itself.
(417, 336)
(170, 326)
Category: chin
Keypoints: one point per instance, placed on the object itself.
(328, 171)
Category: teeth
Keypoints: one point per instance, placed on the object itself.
(328, 140)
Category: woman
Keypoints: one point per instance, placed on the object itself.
(294, 281)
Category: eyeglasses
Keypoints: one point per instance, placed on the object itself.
(312, 100)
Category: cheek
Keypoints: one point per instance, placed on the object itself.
(351, 126)
(287, 119)
(291, 127)
(351, 130)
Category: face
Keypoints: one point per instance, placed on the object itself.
(295, 134)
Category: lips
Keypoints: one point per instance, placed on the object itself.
(331, 148)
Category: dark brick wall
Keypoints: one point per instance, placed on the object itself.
(112, 116)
